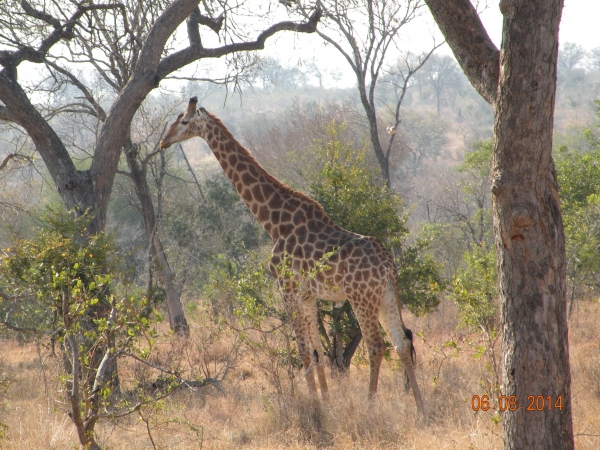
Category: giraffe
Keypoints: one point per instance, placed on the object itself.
(359, 268)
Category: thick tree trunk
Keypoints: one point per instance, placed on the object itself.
(530, 239)
(521, 84)
(137, 174)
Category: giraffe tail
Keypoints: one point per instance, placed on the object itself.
(407, 331)
(413, 352)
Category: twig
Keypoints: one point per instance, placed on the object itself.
(192, 172)
(131, 355)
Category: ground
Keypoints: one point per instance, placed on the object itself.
(254, 409)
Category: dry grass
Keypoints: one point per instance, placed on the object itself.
(249, 414)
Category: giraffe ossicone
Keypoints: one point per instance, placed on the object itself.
(356, 267)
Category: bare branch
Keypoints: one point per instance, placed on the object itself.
(99, 112)
(11, 60)
(213, 24)
(192, 172)
(141, 404)
(180, 59)
(154, 366)
(406, 80)
(31, 11)
(2, 166)
(192, 28)
(6, 322)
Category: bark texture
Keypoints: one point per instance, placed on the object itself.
(529, 232)
(520, 83)
(137, 175)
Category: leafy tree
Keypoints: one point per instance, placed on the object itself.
(592, 138)
(420, 281)
(475, 290)
(62, 275)
(45, 269)
(351, 195)
(579, 179)
(424, 137)
(357, 201)
(570, 55)
(477, 175)
(594, 59)
(474, 283)
(274, 75)
(443, 76)
(209, 237)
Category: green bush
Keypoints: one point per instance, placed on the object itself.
(475, 290)
(579, 179)
(58, 284)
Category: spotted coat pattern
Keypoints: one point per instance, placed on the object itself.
(359, 268)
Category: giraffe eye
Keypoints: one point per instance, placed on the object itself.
(185, 122)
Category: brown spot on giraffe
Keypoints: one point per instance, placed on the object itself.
(286, 217)
(257, 194)
(275, 217)
(361, 270)
(248, 179)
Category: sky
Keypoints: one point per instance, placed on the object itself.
(579, 24)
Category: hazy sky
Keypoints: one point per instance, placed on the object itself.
(580, 24)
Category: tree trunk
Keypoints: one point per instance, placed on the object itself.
(520, 83)
(382, 158)
(336, 356)
(529, 232)
(340, 355)
(137, 174)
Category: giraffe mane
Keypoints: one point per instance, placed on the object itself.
(284, 187)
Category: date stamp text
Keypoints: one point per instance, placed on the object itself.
(512, 403)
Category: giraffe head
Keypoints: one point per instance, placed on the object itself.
(187, 125)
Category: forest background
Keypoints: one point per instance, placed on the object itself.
(435, 215)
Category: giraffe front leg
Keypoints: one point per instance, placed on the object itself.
(304, 348)
(310, 313)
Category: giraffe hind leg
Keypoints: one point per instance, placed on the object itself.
(369, 326)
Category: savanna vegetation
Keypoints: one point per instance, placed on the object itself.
(159, 325)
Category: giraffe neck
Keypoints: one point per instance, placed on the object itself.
(278, 208)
